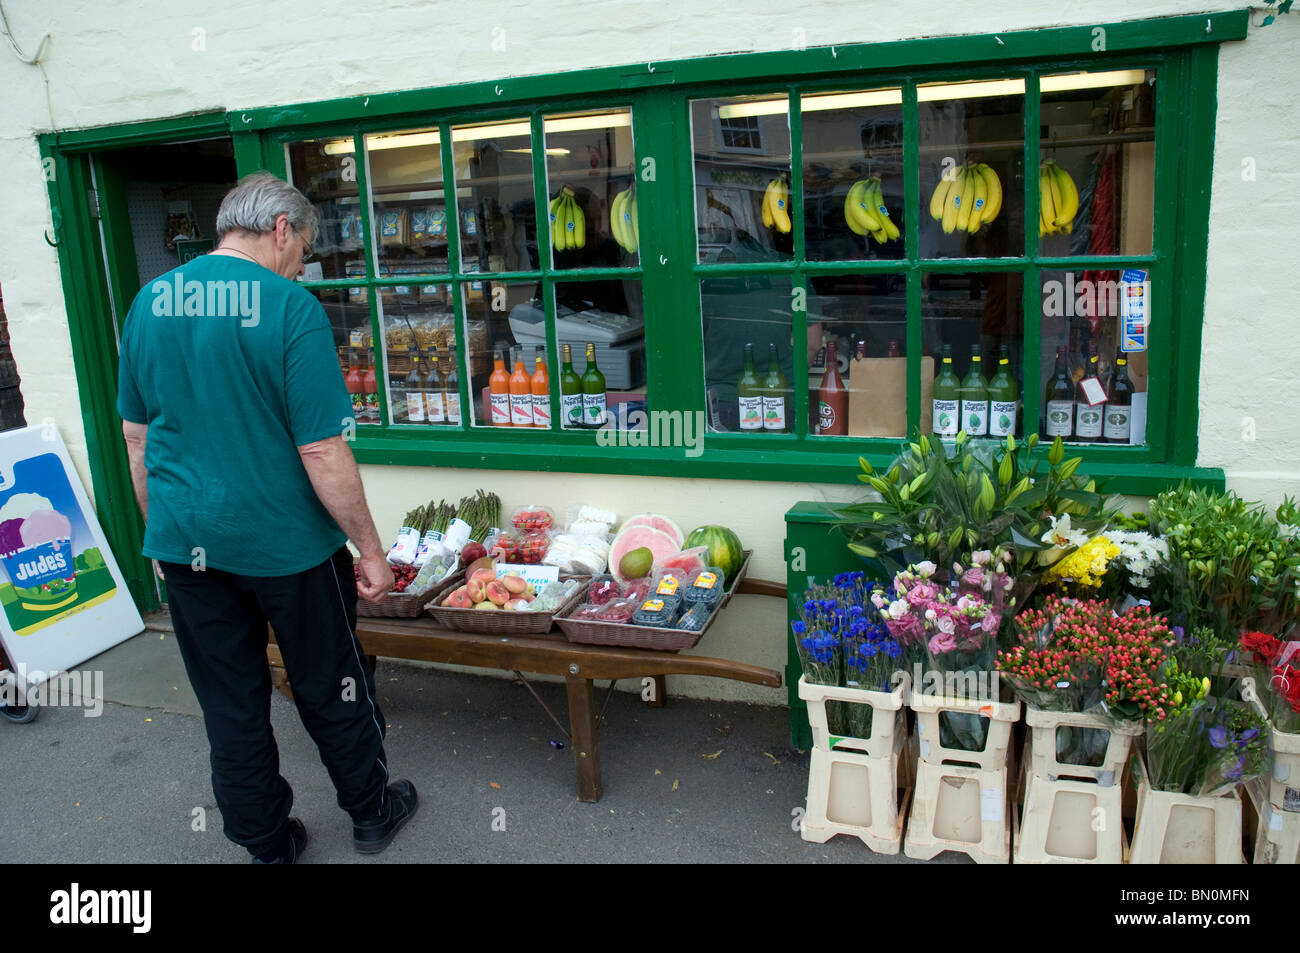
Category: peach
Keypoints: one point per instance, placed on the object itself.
(484, 574)
(498, 593)
(458, 599)
(486, 605)
(514, 583)
(477, 590)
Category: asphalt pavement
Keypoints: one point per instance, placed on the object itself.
(694, 782)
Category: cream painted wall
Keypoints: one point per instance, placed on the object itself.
(105, 65)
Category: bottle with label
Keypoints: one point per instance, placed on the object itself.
(1059, 401)
(521, 394)
(860, 351)
(352, 380)
(396, 392)
(946, 413)
(1004, 398)
(541, 386)
(975, 398)
(1087, 416)
(749, 392)
(570, 391)
(894, 349)
(776, 392)
(370, 385)
(416, 388)
(833, 397)
(435, 409)
(499, 392)
(451, 389)
(1119, 405)
(593, 391)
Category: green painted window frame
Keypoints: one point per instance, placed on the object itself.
(1187, 48)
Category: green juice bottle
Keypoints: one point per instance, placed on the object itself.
(947, 398)
(570, 392)
(1004, 398)
(749, 390)
(975, 398)
(593, 391)
(775, 391)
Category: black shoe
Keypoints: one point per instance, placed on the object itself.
(373, 836)
(297, 844)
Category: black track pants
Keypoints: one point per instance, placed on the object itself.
(221, 621)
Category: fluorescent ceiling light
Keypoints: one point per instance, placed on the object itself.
(758, 107)
(973, 90)
(501, 130)
(550, 152)
(878, 97)
(402, 140)
(339, 147)
(1119, 77)
(579, 123)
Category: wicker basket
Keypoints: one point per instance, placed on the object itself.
(595, 632)
(483, 622)
(735, 582)
(405, 605)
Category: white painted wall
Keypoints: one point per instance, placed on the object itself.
(104, 65)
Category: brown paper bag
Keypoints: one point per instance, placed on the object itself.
(878, 396)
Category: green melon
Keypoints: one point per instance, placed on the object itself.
(725, 550)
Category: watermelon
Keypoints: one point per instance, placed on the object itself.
(661, 544)
(725, 550)
(688, 561)
(657, 521)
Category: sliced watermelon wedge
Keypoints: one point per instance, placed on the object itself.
(656, 521)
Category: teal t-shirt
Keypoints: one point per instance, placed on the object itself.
(232, 367)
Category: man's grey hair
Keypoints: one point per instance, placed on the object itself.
(254, 204)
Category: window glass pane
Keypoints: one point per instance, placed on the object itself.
(494, 196)
(745, 319)
(491, 310)
(348, 310)
(742, 167)
(853, 143)
(1087, 315)
(325, 170)
(420, 316)
(965, 316)
(591, 170)
(972, 160)
(862, 321)
(1098, 150)
(410, 209)
(610, 315)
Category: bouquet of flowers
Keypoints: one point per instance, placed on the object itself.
(842, 642)
(1277, 678)
(1111, 565)
(1200, 745)
(955, 624)
(1080, 656)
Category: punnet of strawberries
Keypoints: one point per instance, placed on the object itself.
(403, 576)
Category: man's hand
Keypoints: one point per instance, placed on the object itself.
(376, 578)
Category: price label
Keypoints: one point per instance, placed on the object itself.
(1093, 391)
(652, 605)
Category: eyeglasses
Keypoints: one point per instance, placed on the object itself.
(307, 254)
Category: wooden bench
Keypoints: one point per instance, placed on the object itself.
(422, 639)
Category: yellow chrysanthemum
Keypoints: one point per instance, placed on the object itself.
(1086, 565)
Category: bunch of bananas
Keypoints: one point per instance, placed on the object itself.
(865, 211)
(1058, 200)
(568, 224)
(776, 205)
(967, 200)
(622, 221)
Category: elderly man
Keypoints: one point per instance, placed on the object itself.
(234, 411)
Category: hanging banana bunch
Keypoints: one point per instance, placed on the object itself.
(776, 205)
(622, 221)
(865, 211)
(968, 200)
(568, 224)
(1058, 200)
